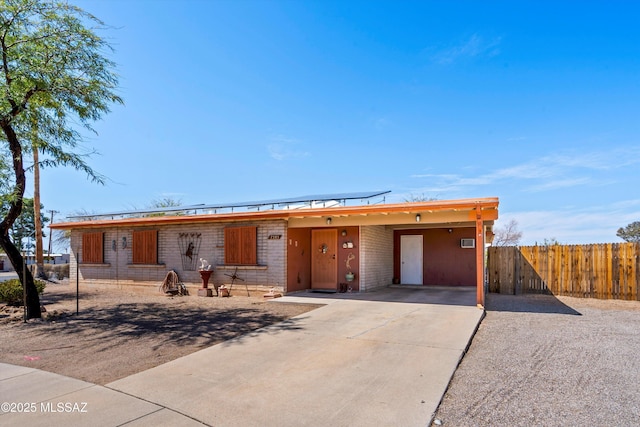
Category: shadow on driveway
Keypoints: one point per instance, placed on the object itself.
(535, 303)
(443, 295)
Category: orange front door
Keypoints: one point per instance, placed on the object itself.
(324, 265)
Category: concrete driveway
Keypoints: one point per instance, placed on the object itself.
(383, 358)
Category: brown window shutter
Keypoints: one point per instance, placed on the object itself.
(249, 245)
(152, 247)
(93, 247)
(232, 245)
(145, 247)
(241, 245)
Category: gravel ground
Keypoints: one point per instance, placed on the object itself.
(542, 360)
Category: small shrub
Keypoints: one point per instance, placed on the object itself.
(11, 292)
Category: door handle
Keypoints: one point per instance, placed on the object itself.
(333, 256)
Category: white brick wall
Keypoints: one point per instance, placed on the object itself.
(118, 270)
(376, 257)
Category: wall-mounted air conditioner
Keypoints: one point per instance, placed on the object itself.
(467, 243)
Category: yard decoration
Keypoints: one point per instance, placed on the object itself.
(235, 277)
(171, 285)
(349, 276)
(204, 265)
(272, 293)
(189, 244)
(205, 273)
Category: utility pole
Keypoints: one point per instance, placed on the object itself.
(50, 232)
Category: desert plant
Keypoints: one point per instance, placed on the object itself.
(11, 291)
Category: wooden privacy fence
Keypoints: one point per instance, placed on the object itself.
(605, 271)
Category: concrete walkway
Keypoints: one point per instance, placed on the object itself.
(383, 358)
(38, 398)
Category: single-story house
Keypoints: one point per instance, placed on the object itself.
(308, 243)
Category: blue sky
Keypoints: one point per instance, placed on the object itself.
(536, 103)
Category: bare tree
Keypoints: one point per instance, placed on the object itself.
(509, 235)
(419, 198)
(166, 202)
(62, 238)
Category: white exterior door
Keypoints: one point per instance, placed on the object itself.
(411, 260)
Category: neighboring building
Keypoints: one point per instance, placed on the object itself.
(292, 248)
(5, 264)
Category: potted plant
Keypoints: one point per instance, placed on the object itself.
(349, 276)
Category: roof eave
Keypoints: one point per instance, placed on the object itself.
(408, 207)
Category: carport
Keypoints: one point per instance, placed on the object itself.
(364, 248)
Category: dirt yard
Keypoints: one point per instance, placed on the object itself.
(119, 333)
(542, 360)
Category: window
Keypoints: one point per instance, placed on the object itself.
(93, 248)
(145, 247)
(240, 245)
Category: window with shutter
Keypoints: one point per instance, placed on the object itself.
(93, 248)
(145, 247)
(241, 245)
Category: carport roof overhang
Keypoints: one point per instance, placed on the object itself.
(431, 213)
